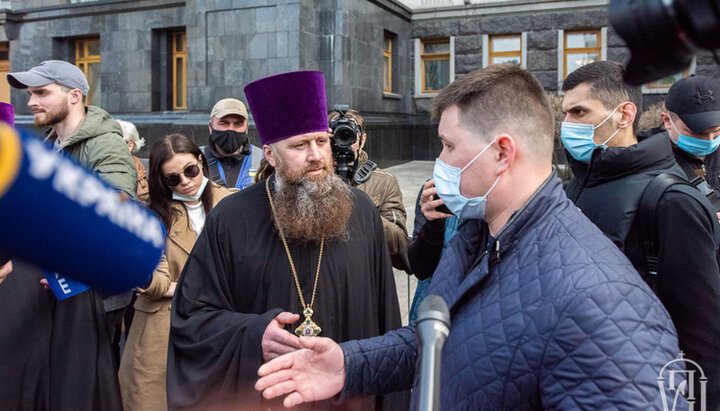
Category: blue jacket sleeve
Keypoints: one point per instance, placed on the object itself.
(380, 365)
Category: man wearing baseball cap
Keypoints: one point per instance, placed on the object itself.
(229, 154)
(57, 91)
(692, 121)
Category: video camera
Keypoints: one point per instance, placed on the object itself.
(345, 132)
(664, 35)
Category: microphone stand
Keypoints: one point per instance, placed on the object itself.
(432, 328)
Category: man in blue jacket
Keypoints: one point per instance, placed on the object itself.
(546, 311)
(231, 159)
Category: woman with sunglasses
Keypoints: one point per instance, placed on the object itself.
(182, 197)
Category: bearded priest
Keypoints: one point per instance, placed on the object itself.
(300, 253)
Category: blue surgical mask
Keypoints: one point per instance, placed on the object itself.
(695, 146)
(189, 199)
(578, 138)
(447, 183)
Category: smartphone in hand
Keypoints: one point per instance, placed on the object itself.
(441, 208)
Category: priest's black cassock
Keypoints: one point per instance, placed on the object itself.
(238, 278)
(54, 355)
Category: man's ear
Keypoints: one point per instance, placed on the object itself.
(76, 96)
(507, 151)
(269, 155)
(628, 113)
(665, 116)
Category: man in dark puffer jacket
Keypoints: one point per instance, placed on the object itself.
(546, 311)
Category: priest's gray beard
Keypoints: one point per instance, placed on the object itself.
(308, 208)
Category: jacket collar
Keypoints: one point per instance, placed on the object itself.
(612, 163)
(479, 250)
(181, 231)
(536, 209)
(97, 122)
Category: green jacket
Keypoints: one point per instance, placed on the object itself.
(99, 145)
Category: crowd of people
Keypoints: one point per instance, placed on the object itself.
(276, 284)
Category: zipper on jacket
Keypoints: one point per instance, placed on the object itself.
(476, 262)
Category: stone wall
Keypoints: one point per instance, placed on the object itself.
(542, 39)
(126, 38)
(233, 42)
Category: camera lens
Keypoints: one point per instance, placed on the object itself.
(345, 136)
(662, 34)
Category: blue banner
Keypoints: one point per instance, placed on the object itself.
(58, 215)
(64, 287)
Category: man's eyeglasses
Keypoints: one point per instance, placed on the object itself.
(190, 172)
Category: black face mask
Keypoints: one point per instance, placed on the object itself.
(228, 140)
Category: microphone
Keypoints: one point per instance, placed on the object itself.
(432, 328)
(60, 216)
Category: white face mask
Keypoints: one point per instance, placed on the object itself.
(190, 199)
(447, 183)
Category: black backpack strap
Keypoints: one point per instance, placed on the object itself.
(212, 164)
(647, 213)
(647, 216)
(363, 173)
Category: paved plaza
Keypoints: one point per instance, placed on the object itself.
(411, 177)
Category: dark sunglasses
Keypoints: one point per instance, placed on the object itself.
(190, 172)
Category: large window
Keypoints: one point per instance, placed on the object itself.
(434, 64)
(87, 57)
(179, 64)
(505, 49)
(387, 63)
(580, 48)
(4, 70)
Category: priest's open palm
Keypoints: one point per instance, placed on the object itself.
(315, 373)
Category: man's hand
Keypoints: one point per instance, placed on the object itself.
(5, 270)
(44, 283)
(276, 341)
(314, 373)
(428, 205)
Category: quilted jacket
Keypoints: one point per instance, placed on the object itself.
(553, 316)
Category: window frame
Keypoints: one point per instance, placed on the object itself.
(576, 50)
(5, 93)
(5, 64)
(387, 53)
(175, 56)
(432, 57)
(83, 61)
(492, 54)
(561, 52)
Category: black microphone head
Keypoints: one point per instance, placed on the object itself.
(435, 308)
